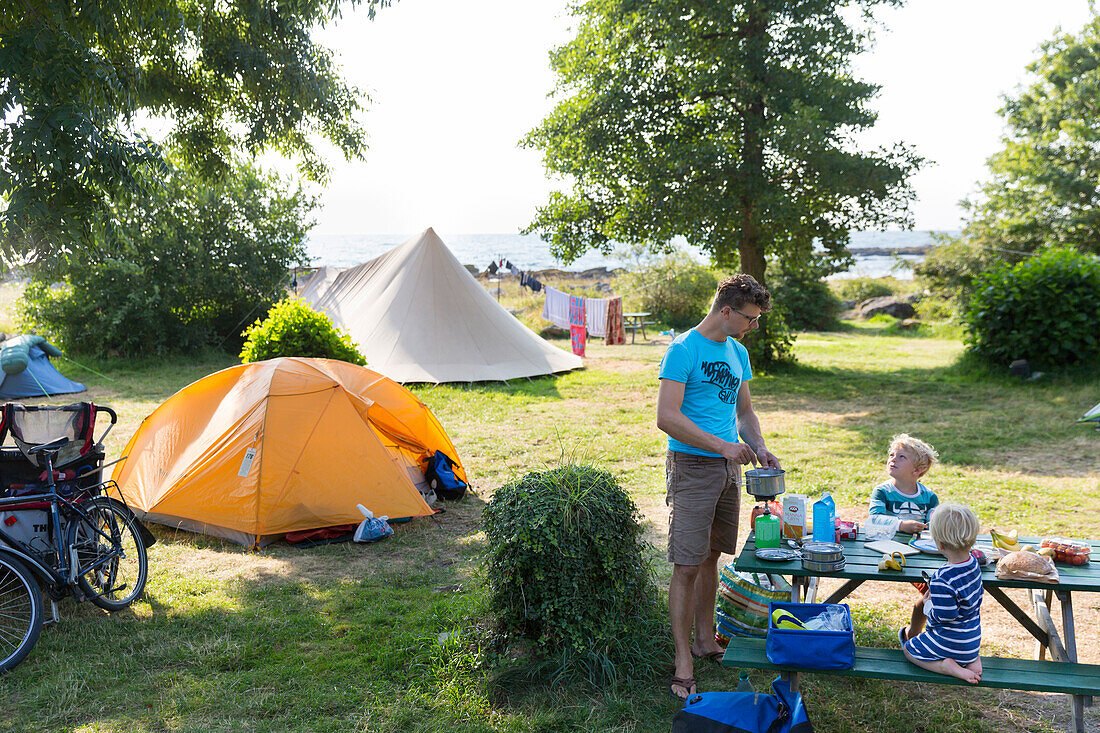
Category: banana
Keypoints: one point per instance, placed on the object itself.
(1006, 540)
(894, 561)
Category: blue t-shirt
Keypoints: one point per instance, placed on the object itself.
(712, 373)
(886, 499)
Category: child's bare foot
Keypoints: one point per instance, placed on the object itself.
(975, 667)
(951, 667)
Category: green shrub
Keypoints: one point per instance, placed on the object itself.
(292, 328)
(1043, 309)
(860, 289)
(568, 571)
(936, 308)
(676, 289)
(807, 303)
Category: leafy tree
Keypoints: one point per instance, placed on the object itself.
(1044, 185)
(225, 75)
(728, 123)
(192, 262)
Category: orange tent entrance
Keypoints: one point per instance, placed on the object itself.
(258, 450)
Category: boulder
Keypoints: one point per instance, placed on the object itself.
(886, 305)
(909, 324)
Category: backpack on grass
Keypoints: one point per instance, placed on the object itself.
(744, 712)
(441, 477)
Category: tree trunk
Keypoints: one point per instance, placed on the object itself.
(750, 247)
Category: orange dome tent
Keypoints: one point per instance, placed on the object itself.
(258, 450)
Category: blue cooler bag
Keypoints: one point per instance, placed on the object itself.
(744, 712)
(810, 649)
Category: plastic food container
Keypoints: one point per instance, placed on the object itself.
(1071, 552)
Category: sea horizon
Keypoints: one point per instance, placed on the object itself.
(530, 252)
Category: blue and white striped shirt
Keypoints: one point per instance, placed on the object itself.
(954, 615)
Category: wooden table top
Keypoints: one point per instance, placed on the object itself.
(862, 564)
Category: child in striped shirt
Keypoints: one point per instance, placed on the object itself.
(953, 601)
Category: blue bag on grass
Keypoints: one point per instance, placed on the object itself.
(441, 477)
(810, 649)
(744, 712)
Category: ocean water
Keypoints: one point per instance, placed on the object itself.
(529, 252)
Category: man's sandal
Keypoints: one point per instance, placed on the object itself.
(688, 685)
(715, 657)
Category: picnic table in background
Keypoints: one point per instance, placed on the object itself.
(1062, 673)
(637, 322)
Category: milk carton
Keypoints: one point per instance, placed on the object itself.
(794, 516)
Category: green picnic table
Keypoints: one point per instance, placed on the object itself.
(1061, 673)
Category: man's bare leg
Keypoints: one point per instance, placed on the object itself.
(681, 606)
(706, 586)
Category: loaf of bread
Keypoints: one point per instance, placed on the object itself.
(1027, 565)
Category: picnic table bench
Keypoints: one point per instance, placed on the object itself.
(1062, 673)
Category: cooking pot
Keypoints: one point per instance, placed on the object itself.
(764, 483)
(824, 552)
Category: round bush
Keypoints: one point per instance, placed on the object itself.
(567, 569)
(808, 303)
(1043, 309)
(677, 290)
(292, 328)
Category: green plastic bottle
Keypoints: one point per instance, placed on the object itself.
(767, 531)
(744, 684)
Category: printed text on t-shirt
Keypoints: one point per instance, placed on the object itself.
(719, 374)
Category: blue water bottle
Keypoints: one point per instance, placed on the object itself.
(825, 519)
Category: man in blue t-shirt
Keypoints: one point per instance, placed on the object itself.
(703, 405)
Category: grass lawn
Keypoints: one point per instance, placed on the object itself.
(381, 637)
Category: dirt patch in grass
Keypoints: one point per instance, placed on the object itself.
(1076, 457)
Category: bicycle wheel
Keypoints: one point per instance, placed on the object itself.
(111, 563)
(20, 611)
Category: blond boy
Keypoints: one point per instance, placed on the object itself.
(906, 498)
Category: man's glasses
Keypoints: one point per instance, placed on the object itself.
(750, 319)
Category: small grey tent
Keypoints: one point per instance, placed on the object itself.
(418, 315)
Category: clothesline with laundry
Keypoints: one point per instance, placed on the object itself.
(602, 315)
(526, 279)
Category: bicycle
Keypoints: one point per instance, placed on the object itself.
(92, 550)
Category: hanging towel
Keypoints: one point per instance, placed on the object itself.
(492, 268)
(596, 309)
(615, 333)
(556, 307)
(577, 321)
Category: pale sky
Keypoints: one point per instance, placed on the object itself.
(455, 85)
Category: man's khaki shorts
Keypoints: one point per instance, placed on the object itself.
(704, 498)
